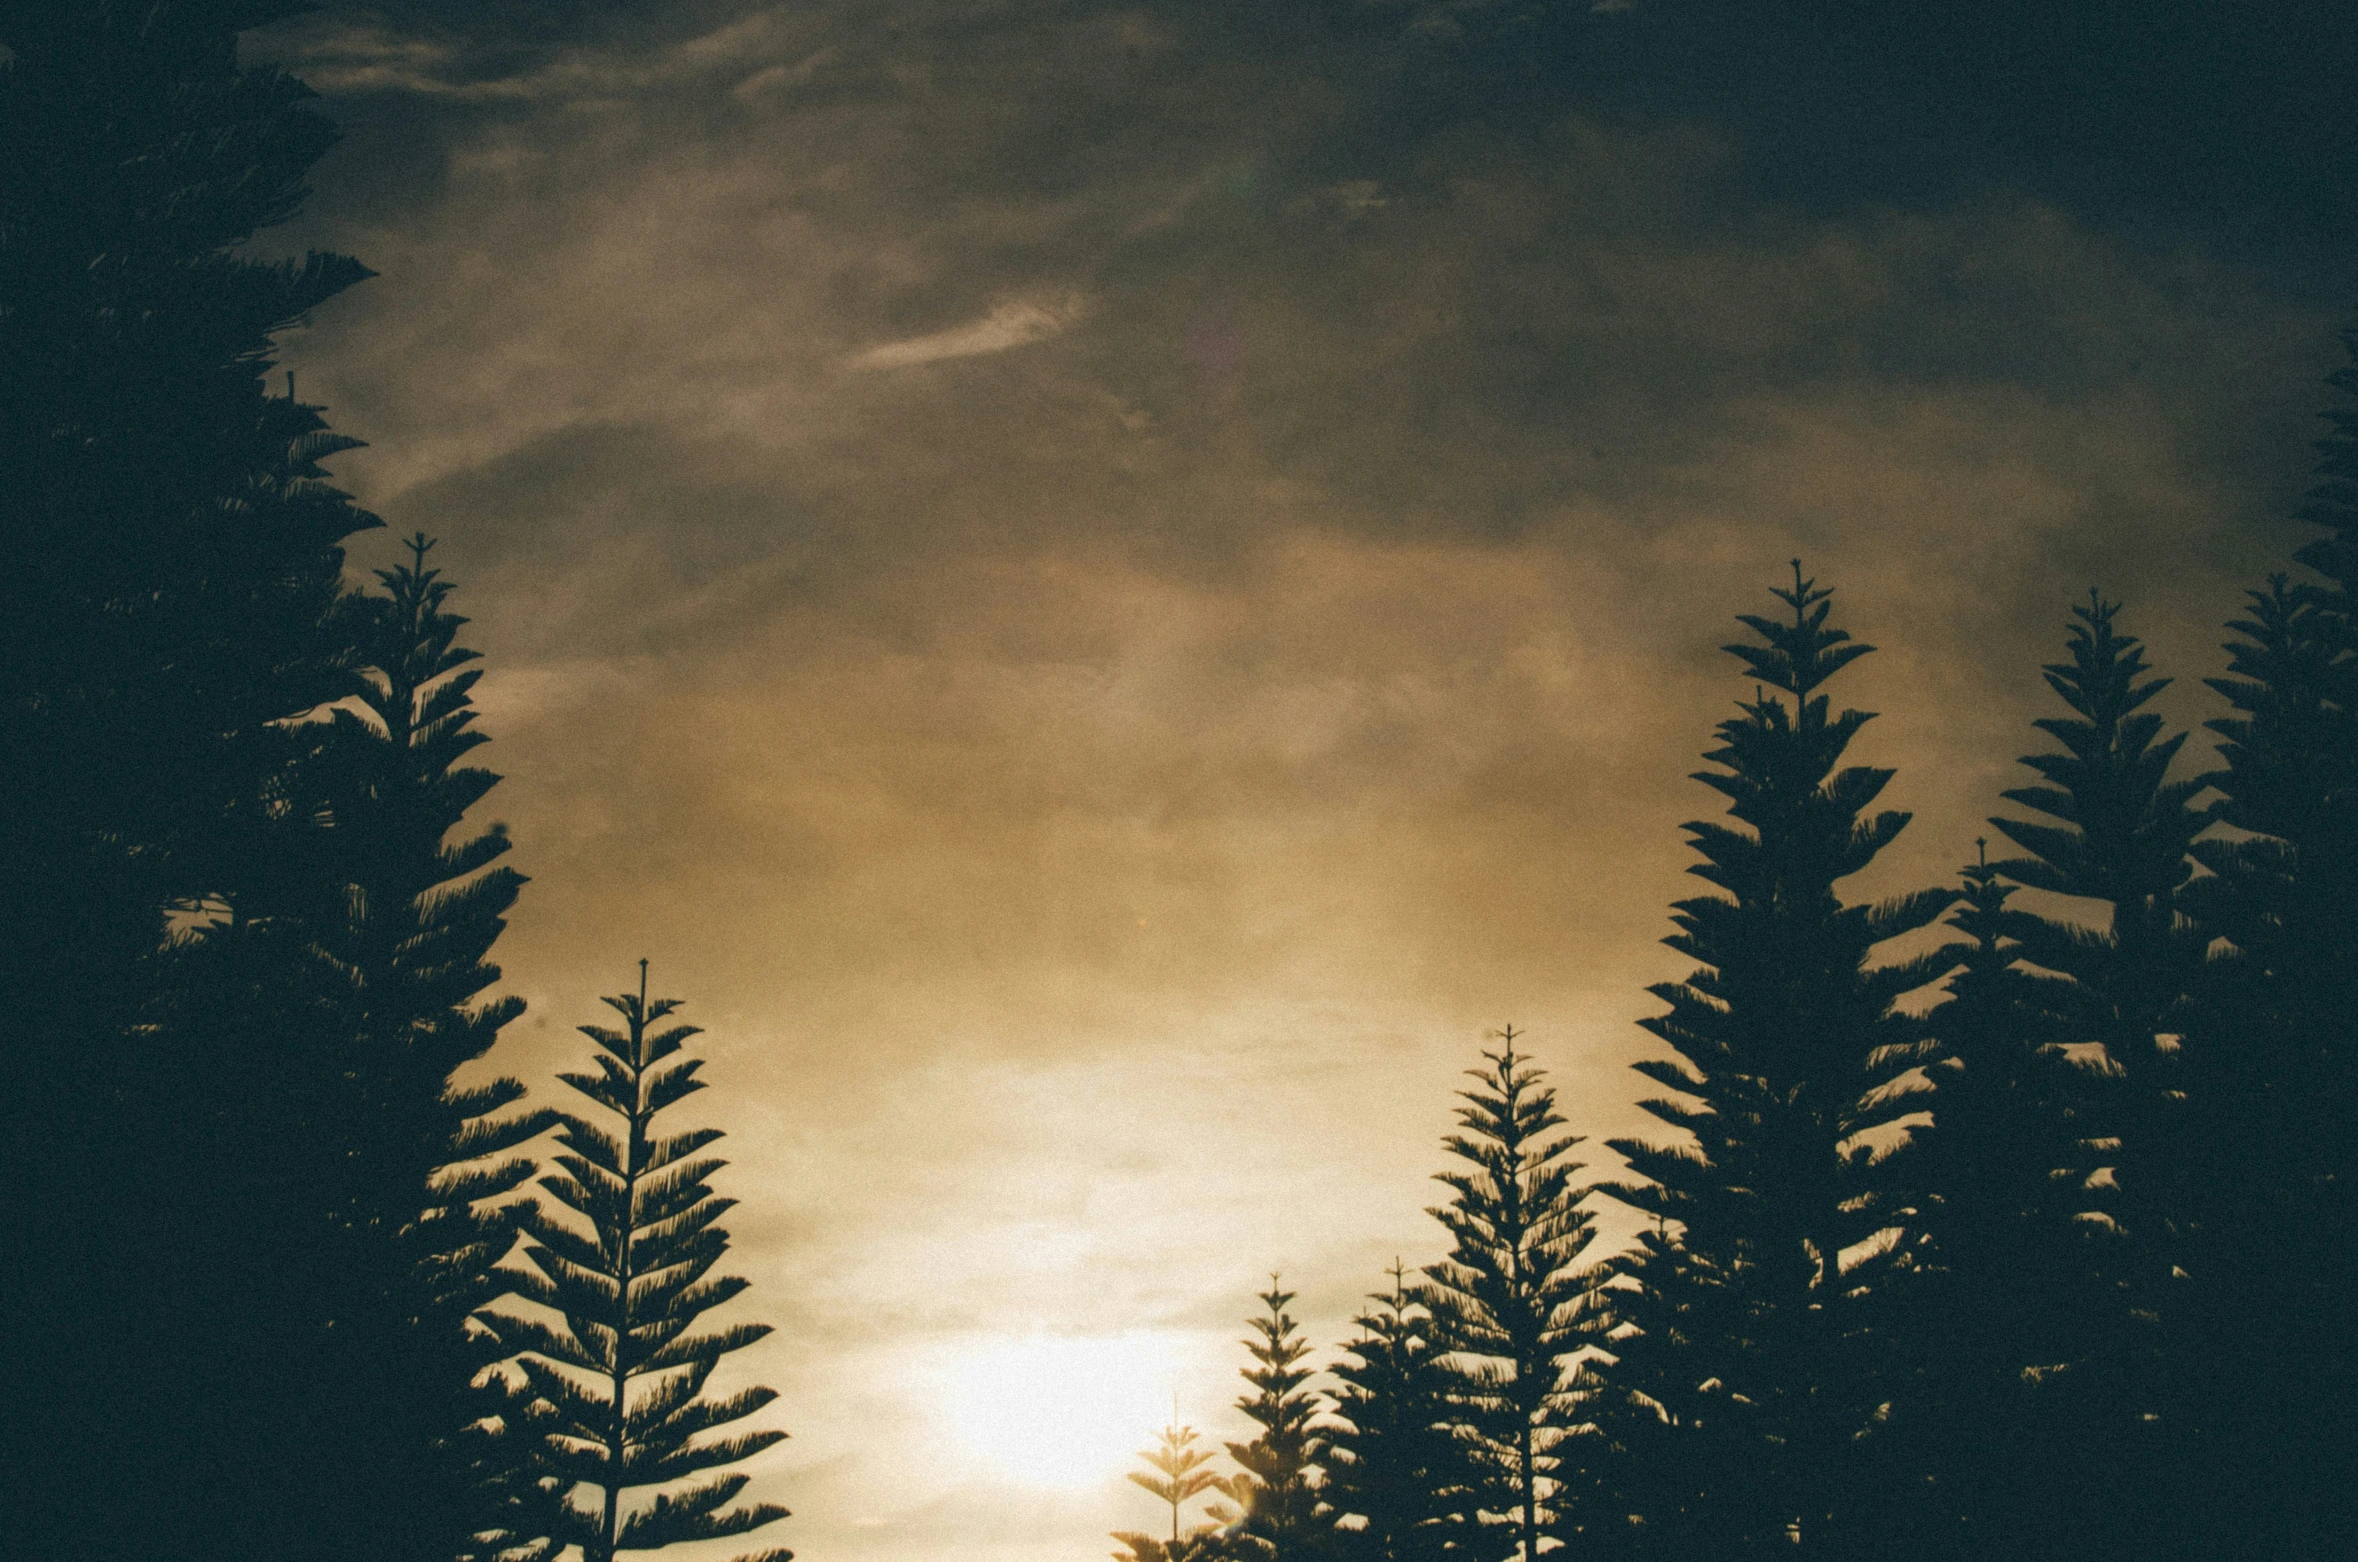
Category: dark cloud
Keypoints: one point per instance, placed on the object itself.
(1105, 587)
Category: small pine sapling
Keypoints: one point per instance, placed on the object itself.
(1180, 1474)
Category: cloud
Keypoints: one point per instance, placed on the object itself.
(1014, 324)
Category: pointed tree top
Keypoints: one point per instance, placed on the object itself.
(1804, 653)
(2100, 682)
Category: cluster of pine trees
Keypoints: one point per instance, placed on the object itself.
(2035, 1237)
(274, 1282)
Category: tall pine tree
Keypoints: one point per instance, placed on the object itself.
(1510, 1305)
(2002, 1296)
(429, 1163)
(1745, 1367)
(167, 610)
(2120, 836)
(622, 1373)
(2271, 1052)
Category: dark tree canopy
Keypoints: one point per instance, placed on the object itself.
(168, 609)
(1401, 1477)
(2269, 1054)
(1748, 1377)
(174, 554)
(405, 932)
(2117, 831)
(1999, 1302)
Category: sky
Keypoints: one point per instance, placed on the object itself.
(1107, 591)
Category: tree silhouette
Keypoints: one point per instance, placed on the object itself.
(2270, 1056)
(1397, 1463)
(623, 1375)
(166, 614)
(1180, 1475)
(412, 918)
(2122, 836)
(2004, 1292)
(1277, 1492)
(1747, 1375)
(1509, 1305)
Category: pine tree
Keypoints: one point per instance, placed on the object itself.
(1745, 1370)
(2270, 1055)
(2122, 837)
(1277, 1491)
(211, 1199)
(173, 558)
(167, 612)
(2002, 1295)
(1510, 1304)
(1399, 1482)
(430, 1166)
(1680, 1469)
(623, 1375)
(1180, 1475)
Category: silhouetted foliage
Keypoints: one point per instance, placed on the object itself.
(1181, 1474)
(428, 1165)
(622, 1373)
(1747, 1376)
(1510, 1304)
(2003, 1295)
(2121, 836)
(167, 608)
(1276, 1493)
(2270, 1058)
(1401, 1481)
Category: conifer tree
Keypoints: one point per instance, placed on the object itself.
(173, 558)
(1679, 1469)
(2271, 1052)
(2122, 837)
(1745, 1372)
(1277, 1490)
(2003, 1292)
(1399, 1482)
(429, 1164)
(1180, 1475)
(1510, 1304)
(623, 1375)
(167, 613)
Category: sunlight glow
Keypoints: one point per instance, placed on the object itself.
(1059, 1412)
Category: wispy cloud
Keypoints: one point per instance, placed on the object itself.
(367, 54)
(1017, 323)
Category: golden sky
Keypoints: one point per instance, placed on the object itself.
(1104, 590)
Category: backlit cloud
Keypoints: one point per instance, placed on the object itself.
(1103, 588)
(1015, 324)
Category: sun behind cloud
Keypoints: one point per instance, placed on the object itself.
(1056, 1412)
